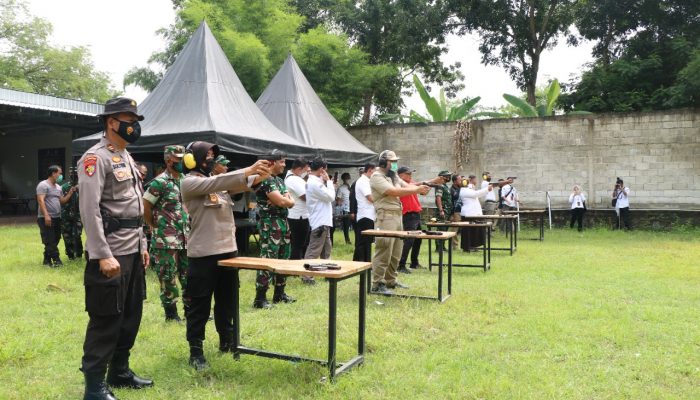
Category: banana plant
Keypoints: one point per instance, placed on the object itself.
(545, 108)
(439, 110)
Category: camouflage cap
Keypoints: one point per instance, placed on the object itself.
(174, 150)
(444, 173)
(222, 160)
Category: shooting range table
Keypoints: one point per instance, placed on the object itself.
(538, 213)
(485, 226)
(511, 220)
(348, 269)
(443, 236)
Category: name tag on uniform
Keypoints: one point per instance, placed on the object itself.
(121, 172)
(213, 200)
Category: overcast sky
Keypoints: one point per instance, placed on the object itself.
(121, 35)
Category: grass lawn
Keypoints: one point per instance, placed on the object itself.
(597, 315)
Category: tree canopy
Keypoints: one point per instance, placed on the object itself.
(647, 56)
(514, 33)
(28, 62)
(357, 56)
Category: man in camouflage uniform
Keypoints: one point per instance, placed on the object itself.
(443, 201)
(275, 241)
(168, 220)
(71, 226)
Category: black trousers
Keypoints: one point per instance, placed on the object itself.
(577, 216)
(299, 230)
(411, 222)
(204, 279)
(363, 244)
(472, 238)
(114, 306)
(50, 236)
(345, 221)
(625, 219)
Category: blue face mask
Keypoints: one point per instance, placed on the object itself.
(59, 179)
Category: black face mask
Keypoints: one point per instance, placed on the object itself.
(129, 131)
(206, 170)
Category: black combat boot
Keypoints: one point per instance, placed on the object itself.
(121, 376)
(57, 262)
(261, 299)
(197, 360)
(47, 261)
(96, 388)
(281, 297)
(226, 342)
(171, 313)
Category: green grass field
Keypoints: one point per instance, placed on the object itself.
(597, 315)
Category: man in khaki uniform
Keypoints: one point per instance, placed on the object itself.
(112, 214)
(386, 190)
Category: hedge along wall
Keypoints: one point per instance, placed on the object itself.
(657, 154)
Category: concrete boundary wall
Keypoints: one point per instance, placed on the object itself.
(656, 153)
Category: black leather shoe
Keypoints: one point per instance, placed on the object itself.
(282, 298)
(128, 379)
(121, 376)
(417, 266)
(398, 285)
(171, 313)
(404, 270)
(381, 289)
(47, 261)
(57, 262)
(198, 362)
(96, 388)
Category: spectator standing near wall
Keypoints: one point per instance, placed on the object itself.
(622, 204)
(577, 199)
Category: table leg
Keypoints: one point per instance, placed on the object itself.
(236, 316)
(511, 243)
(449, 267)
(515, 234)
(486, 241)
(489, 249)
(361, 316)
(332, 317)
(430, 254)
(542, 227)
(440, 262)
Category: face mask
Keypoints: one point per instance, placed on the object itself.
(394, 166)
(210, 165)
(178, 167)
(59, 179)
(129, 131)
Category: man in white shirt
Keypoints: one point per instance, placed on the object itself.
(365, 215)
(490, 201)
(622, 204)
(298, 216)
(320, 195)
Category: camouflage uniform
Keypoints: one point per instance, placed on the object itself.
(169, 237)
(71, 225)
(275, 238)
(443, 192)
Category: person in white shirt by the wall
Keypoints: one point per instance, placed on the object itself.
(364, 219)
(298, 216)
(577, 199)
(320, 195)
(490, 201)
(470, 208)
(620, 196)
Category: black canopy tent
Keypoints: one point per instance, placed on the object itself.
(201, 98)
(293, 106)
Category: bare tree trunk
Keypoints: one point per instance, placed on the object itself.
(532, 80)
(367, 108)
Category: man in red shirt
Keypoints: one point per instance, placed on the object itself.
(411, 209)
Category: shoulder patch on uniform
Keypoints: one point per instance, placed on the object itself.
(90, 165)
